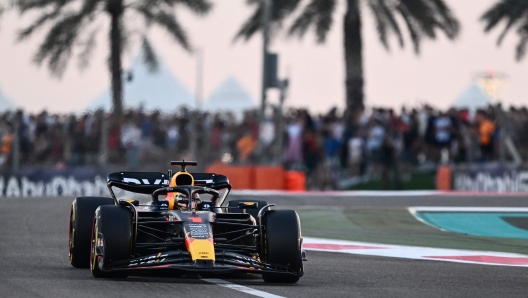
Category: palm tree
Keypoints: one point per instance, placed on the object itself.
(3, 8)
(421, 18)
(515, 15)
(73, 25)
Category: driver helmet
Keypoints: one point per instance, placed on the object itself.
(179, 201)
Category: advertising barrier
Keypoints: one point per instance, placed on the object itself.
(482, 177)
(53, 182)
(490, 177)
(85, 181)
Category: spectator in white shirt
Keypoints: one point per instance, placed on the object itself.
(131, 141)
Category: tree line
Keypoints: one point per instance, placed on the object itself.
(73, 25)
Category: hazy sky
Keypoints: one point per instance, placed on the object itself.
(442, 71)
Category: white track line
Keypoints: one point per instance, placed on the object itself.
(240, 288)
(413, 210)
(353, 193)
(415, 252)
(375, 193)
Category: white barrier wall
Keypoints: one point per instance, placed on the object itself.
(490, 177)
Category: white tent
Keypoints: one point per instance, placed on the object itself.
(229, 96)
(151, 91)
(472, 98)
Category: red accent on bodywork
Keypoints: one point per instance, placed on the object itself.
(188, 242)
(195, 219)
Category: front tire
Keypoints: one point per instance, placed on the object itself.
(281, 244)
(80, 228)
(112, 227)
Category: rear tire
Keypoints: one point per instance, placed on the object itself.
(233, 207)
(114, 224)
(281, 244)
(80, 228)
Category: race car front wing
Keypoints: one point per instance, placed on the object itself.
(179, 260)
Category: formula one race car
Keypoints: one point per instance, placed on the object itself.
(185, 226)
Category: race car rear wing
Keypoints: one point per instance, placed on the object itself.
(214, 181)
(148, 182)
(138, 182)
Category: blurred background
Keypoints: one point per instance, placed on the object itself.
(277, 94)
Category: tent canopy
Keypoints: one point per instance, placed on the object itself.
(472, 98)
(5, 103)
(229, 96)
(151, 91)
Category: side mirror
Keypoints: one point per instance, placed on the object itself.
(248, 205)
(133, 202)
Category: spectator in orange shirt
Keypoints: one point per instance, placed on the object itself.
(486, 129)
(7, 141)
(246, 146)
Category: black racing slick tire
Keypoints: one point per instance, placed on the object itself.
(80, 228)
(233, 207)
(112, 227)
(281, 244)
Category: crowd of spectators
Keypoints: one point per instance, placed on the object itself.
(378, 142)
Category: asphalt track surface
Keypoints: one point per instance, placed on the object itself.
(34, 263)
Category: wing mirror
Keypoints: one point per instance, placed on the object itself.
(248, 205)
(133, 202)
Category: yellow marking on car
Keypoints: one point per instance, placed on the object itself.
(73, 238)
(201, 249)
(170, 199)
